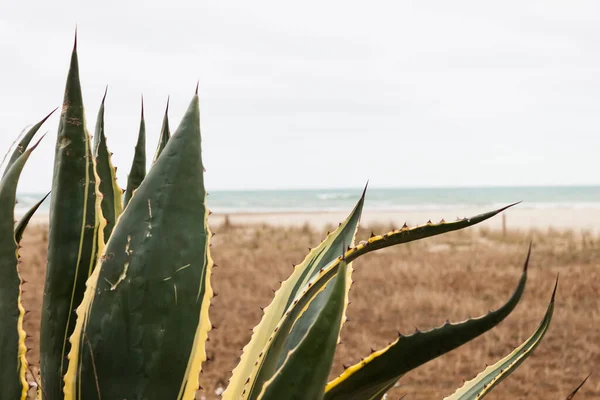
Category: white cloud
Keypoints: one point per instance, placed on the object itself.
(318, 94)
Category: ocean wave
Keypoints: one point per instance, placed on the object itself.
(334, 196)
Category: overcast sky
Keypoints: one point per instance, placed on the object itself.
(323, 93)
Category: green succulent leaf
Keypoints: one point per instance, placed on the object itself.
(406, 234)
(137, 173)
(483, 383)
(24, 221)
(12, 335)
(112, 194)
(25, 140)
(319, 257)
(311, 358)
(377, 373)
(384, 389)
(320, 279)
(292, 324)
(75, 221)
(143, 322)
(165, 134)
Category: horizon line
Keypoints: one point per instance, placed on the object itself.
(360, 188)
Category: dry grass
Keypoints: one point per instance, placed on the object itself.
(419, 284)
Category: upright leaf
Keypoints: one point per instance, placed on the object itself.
(143, 322)
(12, 336)
(275, 350)
(483, 383)
(75, 223)
(165, 134)
(138, 166)
(302, 373)
(319, 257)
(112, 195)
(24, 142)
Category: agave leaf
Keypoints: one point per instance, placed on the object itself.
(483, 383)
(318, 258)
(378, 372)
(75, 223)
(276, 350)
(310, 360)
(574, 392)
(165, 134)
(25, 140)
(143, 322)
(137, 173)
(322, 277)
(406, 234)
(12, 336)
(383, 390)
(112, 194)
(24, 221)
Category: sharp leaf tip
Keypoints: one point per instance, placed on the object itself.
(554, 291)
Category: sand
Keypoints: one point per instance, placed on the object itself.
(577, 220)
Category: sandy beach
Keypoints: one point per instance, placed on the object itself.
(577, 220)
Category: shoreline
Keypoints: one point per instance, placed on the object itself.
(584, 219)
(577, 220)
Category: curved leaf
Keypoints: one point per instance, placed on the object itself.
(75, 223)
(483, 383)
(25, 140)
(12, 336)
(319, 257)
(303, 372)
(378, 372)
(137, 173)
(112, 194)
(325, 274)
(143, 322)
(406, 234)
(24, 221)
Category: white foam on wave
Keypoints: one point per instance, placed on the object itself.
(334, 196)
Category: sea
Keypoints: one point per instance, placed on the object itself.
(383, 199)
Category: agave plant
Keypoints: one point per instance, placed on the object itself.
(127, 291)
